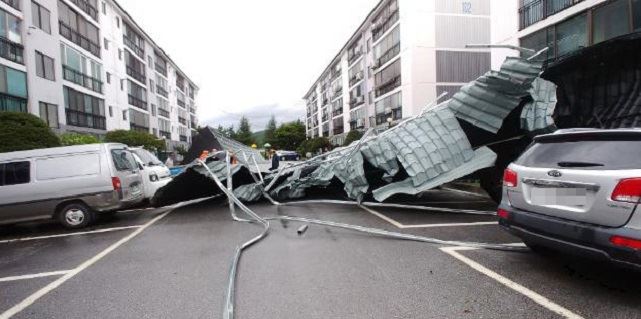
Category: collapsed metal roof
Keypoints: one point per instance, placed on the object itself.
(418, 154)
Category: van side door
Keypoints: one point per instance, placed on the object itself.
(15, 197)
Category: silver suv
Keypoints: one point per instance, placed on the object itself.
(577, 191)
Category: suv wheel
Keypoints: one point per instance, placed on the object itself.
(75, 215)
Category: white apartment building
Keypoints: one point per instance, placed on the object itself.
(404, 55)
(86, 66)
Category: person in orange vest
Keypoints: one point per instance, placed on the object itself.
(204, 155)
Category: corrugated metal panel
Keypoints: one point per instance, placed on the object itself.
(537, 115)
(461, 66)
(478, 7)
(457, 31)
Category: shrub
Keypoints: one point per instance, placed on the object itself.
(69, 139)
(352, 136)
(313, 145)
(23, 131)
(135, 138)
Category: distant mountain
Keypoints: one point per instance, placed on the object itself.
(259, 137)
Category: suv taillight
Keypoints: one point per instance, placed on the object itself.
(628, 190)
(510, 178)
(115, 181)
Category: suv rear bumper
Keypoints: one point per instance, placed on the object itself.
(572, 237)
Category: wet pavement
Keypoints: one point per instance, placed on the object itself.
(174, 263)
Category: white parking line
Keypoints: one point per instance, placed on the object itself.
(454, 190)
(32, 276)
(38, 294)
(97, 231)
(402, 226)
(541, 300)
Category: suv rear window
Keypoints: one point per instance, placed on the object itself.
(596, 154)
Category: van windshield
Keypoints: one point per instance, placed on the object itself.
(123, 160)
(147, 157)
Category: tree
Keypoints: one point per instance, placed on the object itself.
(68, 139)
(352, 136)
(270, 130)
(135, 138)
(289, 136)
(226, 132)
(244, 133)
(313, 145)
(23, 131)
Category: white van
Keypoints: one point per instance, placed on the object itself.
(70, 184)
(154, 172)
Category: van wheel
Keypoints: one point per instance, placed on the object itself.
(75, 215)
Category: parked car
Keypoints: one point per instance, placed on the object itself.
(154, 173)
(70, 184)
(288, 156)
(578, 191)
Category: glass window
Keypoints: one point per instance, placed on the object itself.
(571, 35)
(15, 173)
(610, 21)
(49, 114)
(123, 161)
(636, 14)
(44, 66)
(41, 17)
(16, 82)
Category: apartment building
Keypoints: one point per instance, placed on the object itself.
(403, 55)
(86, 66)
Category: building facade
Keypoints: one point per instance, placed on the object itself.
(86, 66)
(404, 55)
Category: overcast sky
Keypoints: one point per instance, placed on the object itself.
(251, 57)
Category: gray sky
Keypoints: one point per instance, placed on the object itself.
(251, 57)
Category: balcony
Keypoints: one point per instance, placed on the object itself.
(395, 114)
(182, 120)
(13, 3)
(133, 46)
(388, 55)
(337, 111)
(181, 103)
(79, 39)
(139, 128)
(87, 7)
(83, 119)
(357, 77)
(161, 69)
(140, 76)
(164, 113)
(162, 92)
(11, 51)
(388, 86)
(12, 103)
(385, 24)
(79, 78)
(165, 134)
(353, 103)
(137, 102)
(338, 130)
(192, 110)
(183, 138)
(537, 10)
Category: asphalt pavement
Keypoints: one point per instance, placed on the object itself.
(174, 263)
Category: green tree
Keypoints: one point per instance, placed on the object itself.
(352, 136)
(68, 139)
(313, 145)
(244, 133)
(289, 136)
(135, 138)
(270, 131)
(226, 131)
(23, 131)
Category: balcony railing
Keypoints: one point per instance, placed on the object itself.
(537, 10)
(337, 112)
(165, 134)
(182, 120)
(79, 39)
(87, 8)
(183, 138)
(338, 130)
(83, 119)
(13, 3)
(389, 54)
(139, 128)
(395, 114)
(192, 110)
(133, 46)
(384, 25)
(137, 102)
(180, 103)
(12, 103)
(79, 78)
(164, 113)
(11, 51)
(388, 86)
(140, 76)
(161, 91)
(160, 69)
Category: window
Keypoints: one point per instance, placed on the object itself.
(153, 110)
(123, 160)
(13, 90)
(150, 62)
(41, 17)
(15, 173)
(610, 21)
(118, 22)
(571, 35)
(49, 114)
(44, 66)
(137, 95)
(124, 115)
(388, 79)
(135, 68)
(10, 27)
(106, 44)
(111, 111)
(134, 41)
(388, 48)
(78, 30)
(152, 86)
(120, 54)
(84, 110)
(389, 107)
(108, 77)
(139, 121)
(81, 69)
(104, 8)
(636, 14)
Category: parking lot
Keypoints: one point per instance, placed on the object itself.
(173, 263)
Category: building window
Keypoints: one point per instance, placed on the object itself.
(388, 48)
(134, 41)
(150, 62)
(571, 35)
(13, 90)
(111, 111)
(41, 17)
(10, 38)
(139, 121)
(120, 54)
(152, 86)
(104, 8)
(44, 66)
(636, 15)
(137, 95)
(78, 30)
(385, 19)
(610, 21)
(135, 68)
(106, 44)
(81, 69)
(389, 107)
(49, 114)
(84, 110)
(153, 110)
(13, 3)
(124, 115)
(15, 173)
(118, 22)
(108, 78)
(388, 79)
